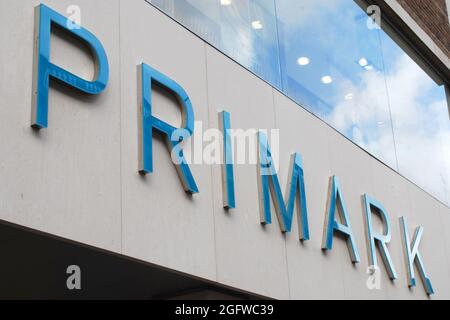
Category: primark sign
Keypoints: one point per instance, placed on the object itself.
(337, 221)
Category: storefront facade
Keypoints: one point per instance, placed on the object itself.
(361, 144)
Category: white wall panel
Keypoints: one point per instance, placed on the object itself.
(65, 179)
(249, 255)
(161, 223)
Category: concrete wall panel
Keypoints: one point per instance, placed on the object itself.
(249, 255)
(65, 179)
(161, 223)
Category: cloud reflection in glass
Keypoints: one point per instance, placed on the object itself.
(361, 82)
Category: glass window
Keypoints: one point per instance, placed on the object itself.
(420, 119)
(245, 30)
(330, 58)
(331, 64)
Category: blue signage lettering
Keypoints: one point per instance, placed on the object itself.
(44, 69)
(174, 136)
(336, 201)
(270, 185)
(412, 255)
(376, 239)
(229, 199)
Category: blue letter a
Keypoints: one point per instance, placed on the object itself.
(336, 202)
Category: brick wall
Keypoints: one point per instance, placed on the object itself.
(431, 15)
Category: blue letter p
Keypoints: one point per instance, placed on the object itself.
(44, 69)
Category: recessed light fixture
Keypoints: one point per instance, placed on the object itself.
(363, 62)
(303, 61)
(257, 24)
(225, 2)
(327, 79)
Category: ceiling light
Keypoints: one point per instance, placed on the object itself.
(363, 62)
(327, 79)
(303, 61)
(225, 2)
(257, 24)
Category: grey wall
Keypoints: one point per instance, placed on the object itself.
(78, 179)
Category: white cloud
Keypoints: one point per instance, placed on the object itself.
(420, 120)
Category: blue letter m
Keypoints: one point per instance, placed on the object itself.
(270, 185)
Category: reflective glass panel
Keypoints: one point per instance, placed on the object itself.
(331, 64)
(420, 119)
(329, 57)
(245, 30)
